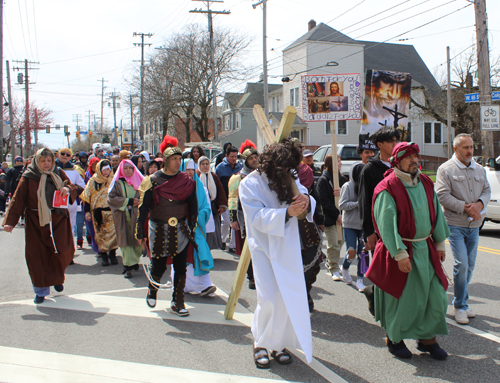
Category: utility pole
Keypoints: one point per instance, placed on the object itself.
(102, 101)
(113, 96)
(1, 81)
(142, 44)
(483, 68)
(27, 95)
(132, 123)
(448, 106)
(264, 62)
(11, 116)
(210, 14)
(89, 114)
(77, 119)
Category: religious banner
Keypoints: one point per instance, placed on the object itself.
(387, 102)
(331, 97)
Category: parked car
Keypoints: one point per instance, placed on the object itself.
(492, 168)
(347, 154)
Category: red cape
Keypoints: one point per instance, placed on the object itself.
(384, 270)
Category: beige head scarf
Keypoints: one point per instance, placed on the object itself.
(44, 215)
(207, 179)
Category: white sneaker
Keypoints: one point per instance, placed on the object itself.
(360, 285)
(336, 276)
(461, 317)
(469, 312)
(347, 277)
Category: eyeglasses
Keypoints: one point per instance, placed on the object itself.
(65, 154)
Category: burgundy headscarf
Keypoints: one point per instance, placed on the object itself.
(402, 150)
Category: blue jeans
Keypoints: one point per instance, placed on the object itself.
(463, 241)
(353, 240)
(80, 221)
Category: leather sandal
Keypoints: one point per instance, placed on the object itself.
(282, 357)
(261, 357)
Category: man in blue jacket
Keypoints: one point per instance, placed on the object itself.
(224, 171)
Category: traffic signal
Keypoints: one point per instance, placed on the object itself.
(77, 134)
(90, 134)
(124, 133)
(66, 129)
(47, 129)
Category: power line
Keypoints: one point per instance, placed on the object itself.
(28, 26)
(349, 10)
(22, 28)
(92, 55)
(34, 25)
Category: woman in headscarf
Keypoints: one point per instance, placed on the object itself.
(199, 260)
(138, 162)
(88, 223)
(217, 200)
(47, 255)
(145, 155)
(123, 198)
(95, 197)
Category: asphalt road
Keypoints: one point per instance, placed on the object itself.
(99, 329)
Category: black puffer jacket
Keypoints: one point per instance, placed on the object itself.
(370, 176)
(324, 191)
(13, 178)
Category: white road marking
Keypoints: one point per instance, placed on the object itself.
(474, 331)
(136, 307)
(20, 366)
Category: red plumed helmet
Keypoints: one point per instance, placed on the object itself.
(168, 141)
(246, 145)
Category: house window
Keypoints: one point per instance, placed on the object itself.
(432, 133)
(273, 104)
(328, 131)
(295, 134)
(294, 97)
(342, 128)
(225, 105)
(238, 121)
(406, 136)
(227, 122)
(277, 104)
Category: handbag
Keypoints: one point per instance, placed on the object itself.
(364, 262)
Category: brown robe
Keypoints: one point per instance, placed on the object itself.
(45, 266)
(116, 199)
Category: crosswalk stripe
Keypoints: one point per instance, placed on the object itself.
(20, 366)
(136, 307)
(474, 331)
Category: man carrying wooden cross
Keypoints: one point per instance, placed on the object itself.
(271, 206)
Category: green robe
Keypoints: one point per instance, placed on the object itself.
(131, 255)
(420, 313)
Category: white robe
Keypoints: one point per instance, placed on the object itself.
(77, 180)
(281, 318)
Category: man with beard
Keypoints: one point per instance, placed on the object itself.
(270, 207)
(410, 292)
(168, 196)
(250, 157)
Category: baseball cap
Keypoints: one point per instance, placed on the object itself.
(307, 153)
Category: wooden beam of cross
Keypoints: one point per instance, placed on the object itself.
(335, 169)
(284, 130)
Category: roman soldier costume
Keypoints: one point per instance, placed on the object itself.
(171, 202)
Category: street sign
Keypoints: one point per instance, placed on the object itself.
(490, 117)
(83, 132)
(474, 97)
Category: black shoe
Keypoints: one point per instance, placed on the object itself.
(59, 288)
(128, 275)
(38, 299)
(136, 267)
(151, 297)
(223, 247)
(105, 261)
(181, 312)
(208, 291)
(251, 284)
(434, 349)
(72, 262)
(399, 350)
(112, 257)
(231, 250)
(370, 296)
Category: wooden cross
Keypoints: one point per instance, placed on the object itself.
(284, 130)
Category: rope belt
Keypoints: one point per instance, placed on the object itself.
(415, 239)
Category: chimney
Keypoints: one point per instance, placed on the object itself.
(311, 24)
(468, 81)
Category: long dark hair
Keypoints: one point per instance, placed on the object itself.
(277, 161)
(356, 176)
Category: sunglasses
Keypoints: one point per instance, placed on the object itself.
(65, 154)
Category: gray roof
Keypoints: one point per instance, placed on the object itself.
(278, 116)
(380, 56)
(398, 58)
(322, 32)
(254, 94)
(232, 98)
